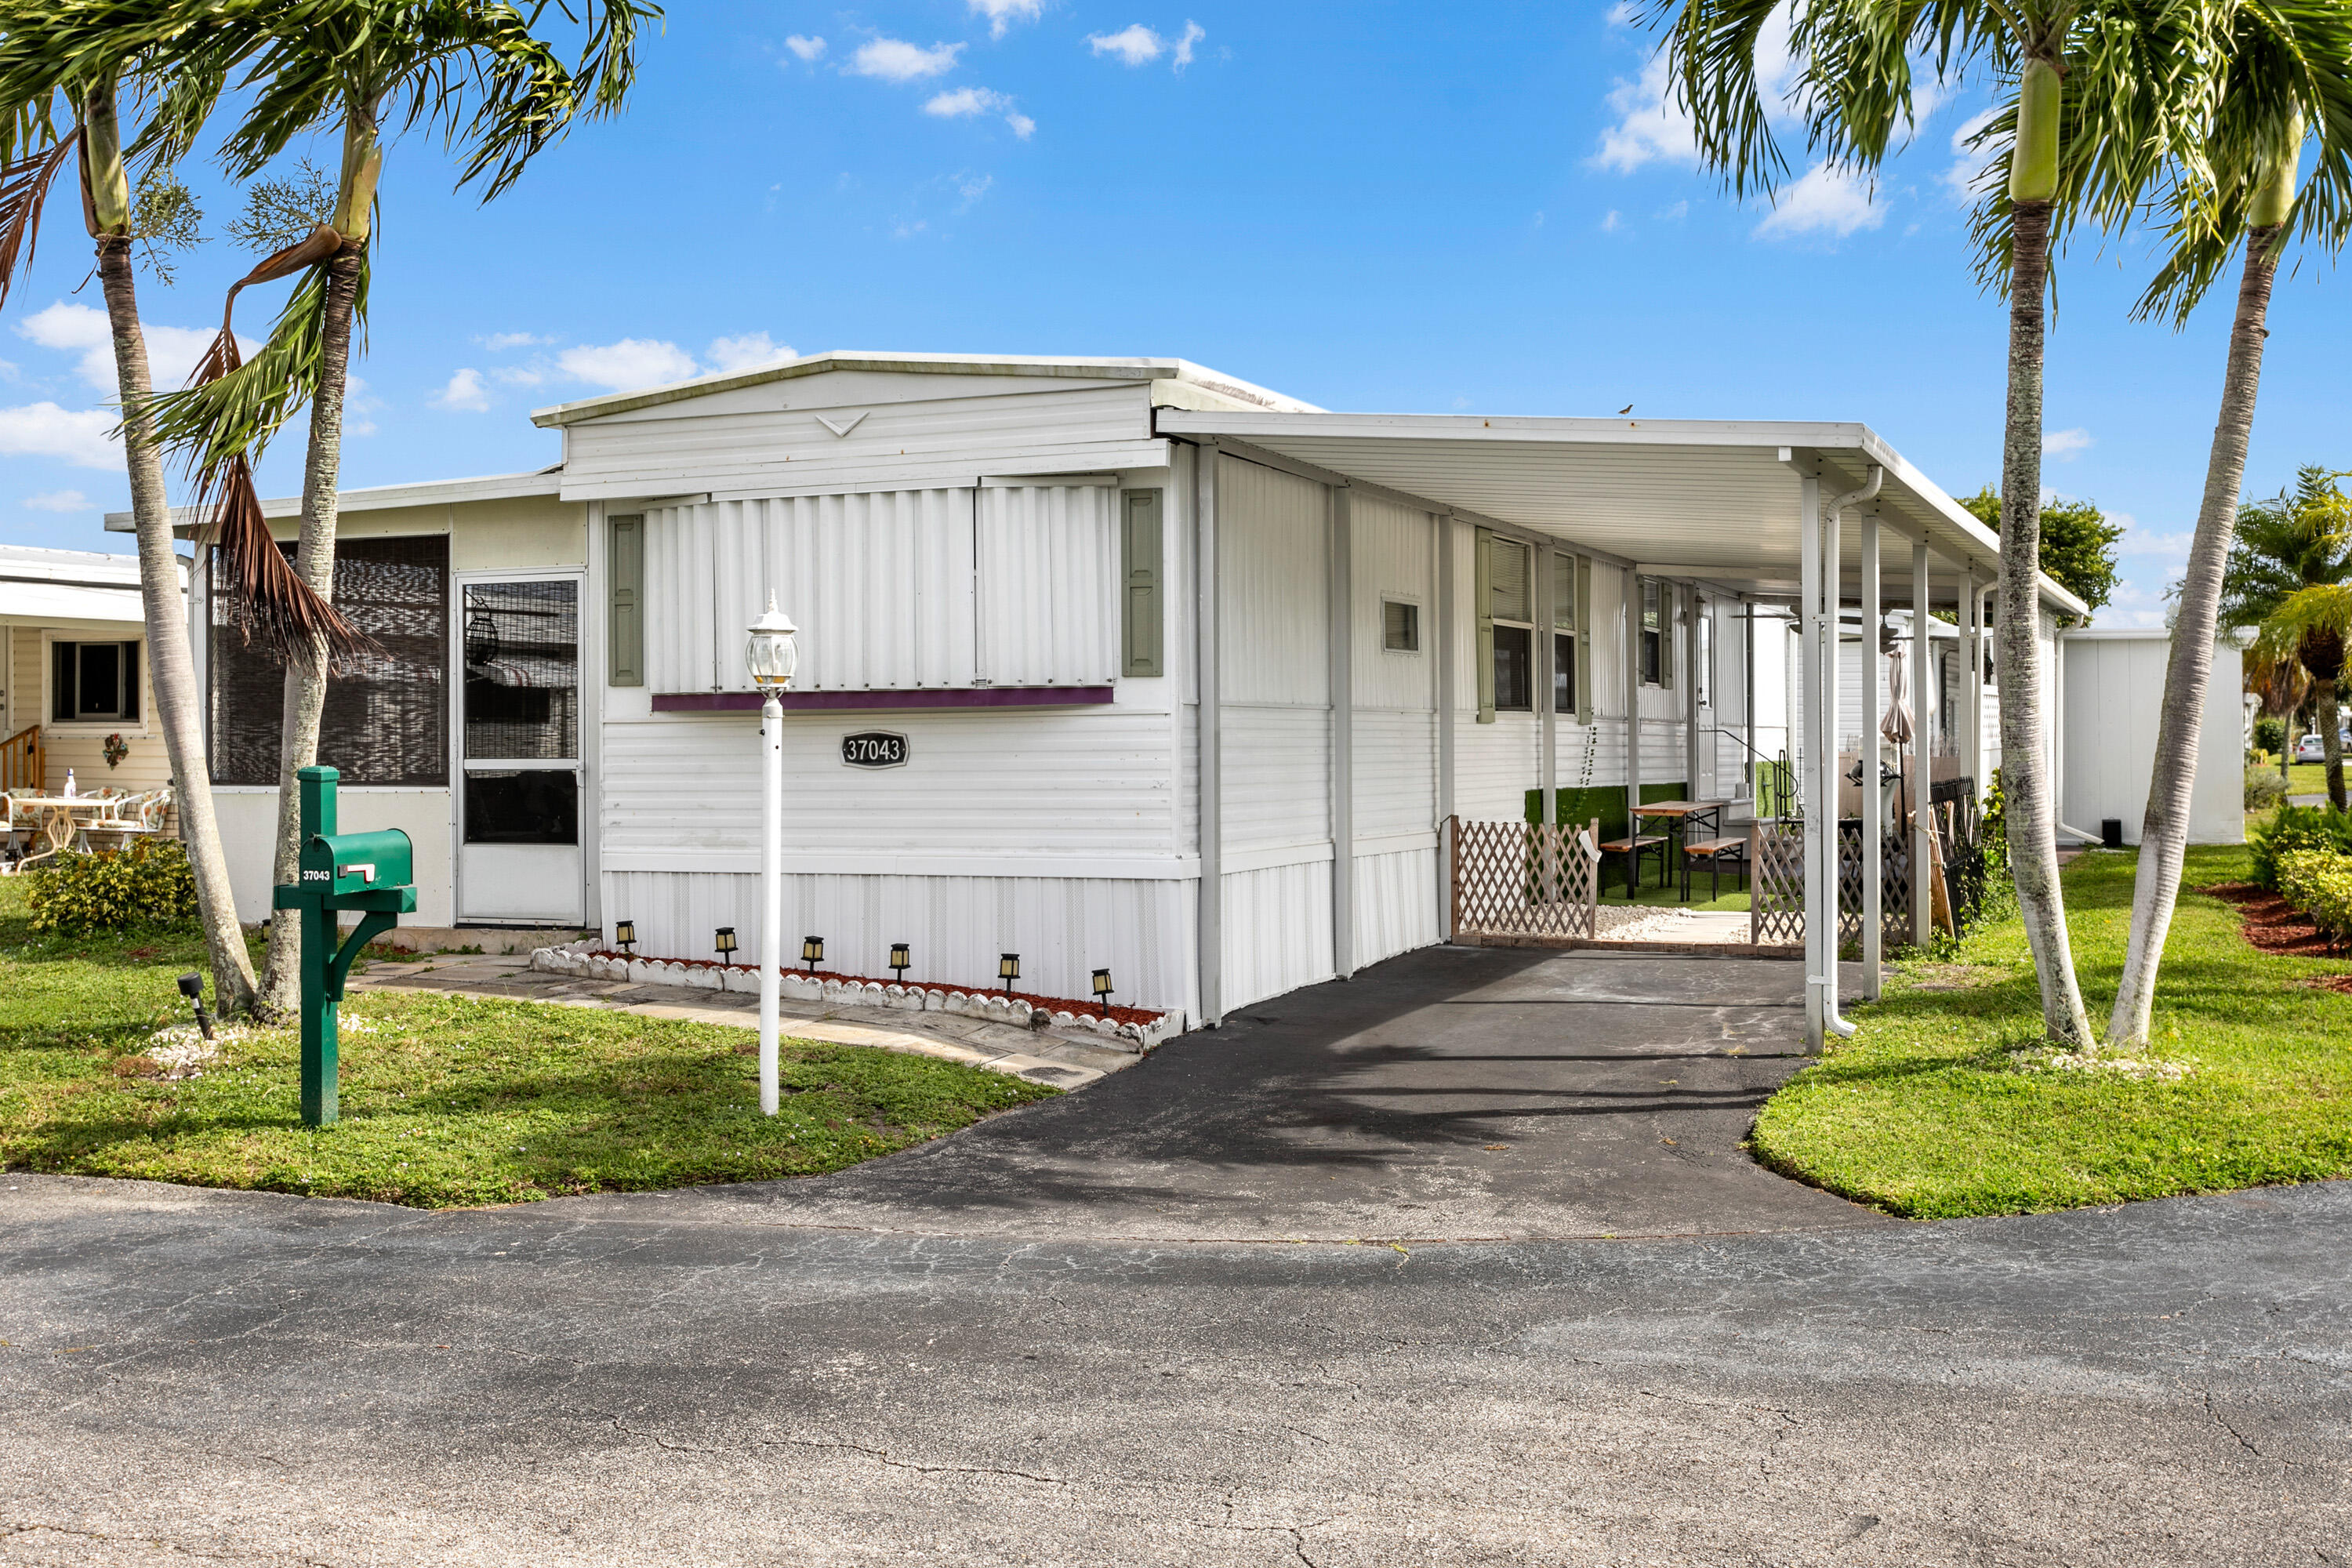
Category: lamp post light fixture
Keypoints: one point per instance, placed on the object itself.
(812, 952)
(192, 986)
(902, 959)
(1008, 969)
(1102, 987)
(724, 941)
(625, 936)
(770, 655)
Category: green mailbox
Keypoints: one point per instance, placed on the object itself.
(369, 873)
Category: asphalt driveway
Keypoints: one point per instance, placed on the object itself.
(1449, 1094)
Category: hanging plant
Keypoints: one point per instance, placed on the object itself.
(116, 749)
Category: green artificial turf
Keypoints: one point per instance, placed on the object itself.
(446, 1100)
(1937, 1107)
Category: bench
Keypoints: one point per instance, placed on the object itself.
(1715, 851)
(1634, 849)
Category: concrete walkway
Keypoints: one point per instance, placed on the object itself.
(1453, 1093)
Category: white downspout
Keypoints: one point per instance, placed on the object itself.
(1833, 850)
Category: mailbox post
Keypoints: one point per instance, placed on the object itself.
(371, 873)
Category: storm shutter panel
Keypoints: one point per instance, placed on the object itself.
(61, 682)
(624, 636)
(1584, 639)
(1482, 571)
(1140, 618)
(1670, 617)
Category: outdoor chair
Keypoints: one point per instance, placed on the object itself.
(1715, 852)
(1633, 846)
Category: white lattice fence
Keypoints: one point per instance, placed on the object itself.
(1524, 878)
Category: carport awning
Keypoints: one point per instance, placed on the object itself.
(1712, 500)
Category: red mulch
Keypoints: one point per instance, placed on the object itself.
(1113, 1012)
(2273, 925)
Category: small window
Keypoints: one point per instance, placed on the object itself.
(625, 633)
(1508, 567)
(1653, 635)
(93, 682)
(1563, 592)
(1140, 614)
(1400, 626)
(1703, 676)
(1515, 689)
(1563, 673)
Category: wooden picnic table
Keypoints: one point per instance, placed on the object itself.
(64, 816)
(1678, 815)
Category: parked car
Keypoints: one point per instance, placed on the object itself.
(2311, 749)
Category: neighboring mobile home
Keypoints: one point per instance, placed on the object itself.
(1070, 631)
(73, 674)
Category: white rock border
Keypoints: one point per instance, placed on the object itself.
(595, 964)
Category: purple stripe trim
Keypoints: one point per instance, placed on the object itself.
(945, 697)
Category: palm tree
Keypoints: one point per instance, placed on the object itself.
(2288, 66)
(2290, 583)
(471, 70)
(66, 60)
(2101, 95)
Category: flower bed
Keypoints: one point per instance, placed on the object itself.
(1139, 1027)
(2319, 883)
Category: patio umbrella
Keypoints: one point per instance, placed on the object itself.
(1896, 725)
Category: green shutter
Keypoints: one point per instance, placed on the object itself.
(1584, 639)
(1670, 603)
(1140, 615)
(624, 624)
(1484, 573)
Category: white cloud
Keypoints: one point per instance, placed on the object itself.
(1673, 214)
(1966, 176)
(1194, 34)
(1610, 224)
(499, 340)
(1623, 13)
(807, 48)
(958, 103)
(59, 501)
(1002, 13)
(172, 352)
(2066, 444)
(971, 188)
(358, 404)
(2140, 541)
(746, 351)
(894, 60)
(631, 363)
(465, 392)
(80, 436)
(1649, 125)
(1826, 200)
(1135, 44)
(521, 375)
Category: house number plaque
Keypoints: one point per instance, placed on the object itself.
(873, 749)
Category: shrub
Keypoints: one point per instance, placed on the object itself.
(146, 887)
(2319, 883)
(2270, 733)
(2264, 788)
(2297, 827)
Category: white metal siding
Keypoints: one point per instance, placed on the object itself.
(1048, 565)
(1062, 928)
(1495, 766)
(2114, 697)
(1396, 904)
(1396, 773)
(1394, 552)
(1277, 930)
(681, 649)
(1273, 535)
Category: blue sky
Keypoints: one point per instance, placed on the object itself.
(1368, 207)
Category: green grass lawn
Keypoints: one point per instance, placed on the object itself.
(446, 1100)
(1934, 1109)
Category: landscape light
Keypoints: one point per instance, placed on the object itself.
(1008, 969)
(902, 958)
(812, 952)
(192, 986)
(1102, 986)
(726, 942)
(625, 936)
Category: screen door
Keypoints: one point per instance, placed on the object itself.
(519, 801)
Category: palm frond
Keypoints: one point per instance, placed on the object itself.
(23, 189)
(269, 600)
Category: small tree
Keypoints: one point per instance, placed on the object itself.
(2078, 544)
(2289, 581)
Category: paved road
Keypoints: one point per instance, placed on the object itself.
(251, 1378)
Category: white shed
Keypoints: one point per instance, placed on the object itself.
(1080, 638)
(2114, 695)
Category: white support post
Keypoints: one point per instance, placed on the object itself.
(1633, 730)
(1873, 798)
(1695, 606)
(1972, 688)
(1922, 766)
(1809, 600)
(1448, 678)
(1343, 734)
(1544, 662)
(1208, 729)
(1826, 750)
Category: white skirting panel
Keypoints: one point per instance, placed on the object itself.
(1396, 904)
(1277, 930)
(1064, 928)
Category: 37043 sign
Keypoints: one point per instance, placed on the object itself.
(873, 749)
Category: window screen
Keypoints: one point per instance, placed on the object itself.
(1400, 626)
(386, 719)
(1653, 633)
(1563, 592)
(1508, 568)
(93, 682)
(1513, 668)
(522, 670)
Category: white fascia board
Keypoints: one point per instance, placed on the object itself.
(1078, 368)
(1963, 538)
(546, 481)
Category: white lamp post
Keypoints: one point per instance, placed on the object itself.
(770, 655)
